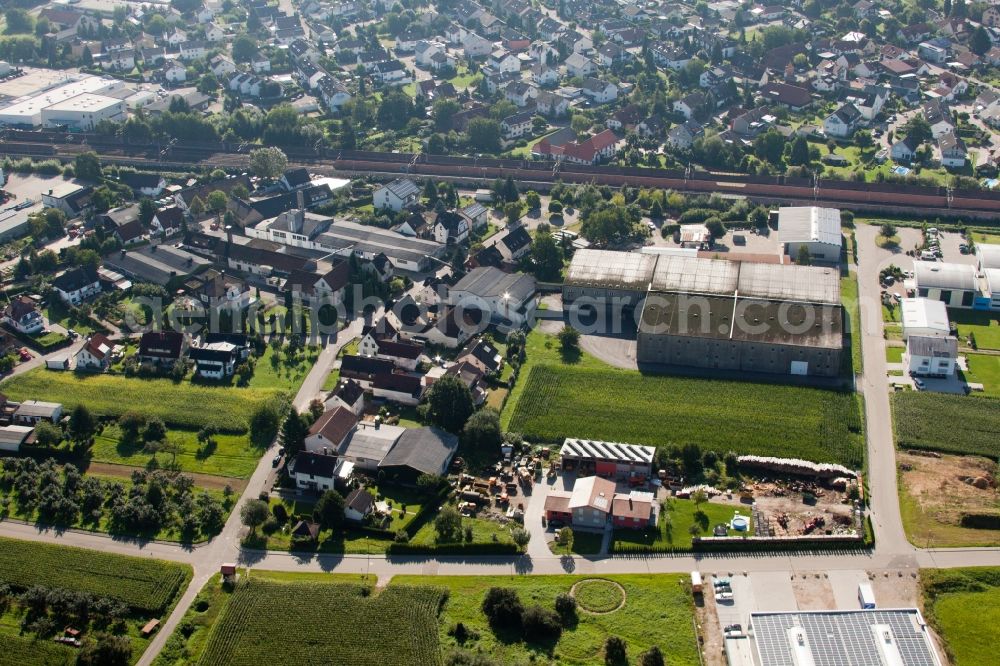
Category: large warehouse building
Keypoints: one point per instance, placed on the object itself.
(718, 314)
(814, 228)
(79, 101)
(958, 285)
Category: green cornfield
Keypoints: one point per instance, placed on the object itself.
(276, 623)
(748, 418)
(943, 422)
(144, 584)
(25, 651)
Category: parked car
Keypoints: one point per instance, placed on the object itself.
(24, 354)
(919, 384)
(276, 460)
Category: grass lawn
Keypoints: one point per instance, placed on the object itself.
(890, 314)
(233, 455)
(47, 340)
(584, 543)
(985, 326)
(179, 404)
(276, 371)
(525, 150)
(586, 398)
(984, 369)
(894, 354)
(942, 422)
(463, 79)
(58, 313)
(673, 532)
(963, 605)
(658, 610)
(849, 299)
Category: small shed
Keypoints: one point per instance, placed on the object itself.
(59, 362)
(149, 628)
(228, 571)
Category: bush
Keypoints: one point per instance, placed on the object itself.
(615, 651)
(502, 607)
(270, 526)
(566, 605)
(540, 624)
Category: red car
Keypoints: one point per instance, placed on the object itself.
(24, 353)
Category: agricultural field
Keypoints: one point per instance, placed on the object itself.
(673, 531)
(178, 404)
(658, 610)
(942, 422)
(18, 650)
(984, 326)
(963, 605)
(144, 584)
(558, 401)
(326, 623)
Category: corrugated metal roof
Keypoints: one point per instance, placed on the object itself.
(695, 275)
(606, 268)
(937, 275)
(588, 448)
(809, 223)
(789, 282)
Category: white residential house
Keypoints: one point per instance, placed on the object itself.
(194, 50)
(519, 93)
(23, 316)
(390, 72)
(551, 105)
(682, 136)
(543, 75)
(95, 354)
(600, 92)
(689, 105)
(517, 125)
(842, 123)
(177, 37)
(77, 285)
(451, 227)
(397, 195)
(931, 356)
(580, 65)
(260, 64)
(953, 151)
(904, 150)
(221, 65)
(215, 33)
(476, 46)
(504, 62)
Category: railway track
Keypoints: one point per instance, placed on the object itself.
(889, 197)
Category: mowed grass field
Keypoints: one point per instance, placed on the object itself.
(144, 584)
(233, 455)
(963, 605)
(293, 623)
(178, 404)
(985, 326)
(942, 422)
(559, 401)
(658, 610)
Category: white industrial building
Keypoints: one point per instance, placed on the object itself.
(924, 317)
(898, 636)
(28, 110)
(84, 111)
(815, 228)
(955, 285)
(987, 256)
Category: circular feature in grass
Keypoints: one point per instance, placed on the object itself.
(598, 596)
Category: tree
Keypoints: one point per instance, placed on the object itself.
(244, 48)
(395, 110)
(268, 163)
(147, 210)
(863, 139)
(430, 192)
(293, 433)
(887, 230)
(108, 650)
(87, 166)
(157, 25)
(799, 154)
(484, 135)
(546, 256)
(253, 514)
(770, 146)
(540, 623)
(980, 41)
(197, 206)
(565, 538)
(47, 435)
(512, 211)
(580, 124)
(652, 657)
(81, 423)
(155, 431)
(521, 537)
(715, 227)
(482, 431)
(448, 525)
(18, 21)
(329, 510)
(264, 423)
(918, 129)
(442, 113)
(217, 200)
(532, 200)
(569, 339)
(449, 404)
(502, 607)
(615, 651)
(803, 257)
(565, 605)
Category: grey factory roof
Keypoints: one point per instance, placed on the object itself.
(156, 263)
(937, 275)
(834, 638)
(932, 346)
(789, 282)
(426, 450)
(743, 319)
(989, 255)
(374, 240)
(588, 448)
(694, 275)
(606, 268)
(14, 435)
(490, 282)
(798, 224)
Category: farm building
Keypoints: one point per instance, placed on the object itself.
(33, 411)
(13, 436)
(817, 229)
(924, 317)
(600, 276)
(419, 451)
(897, 636)
(507, 297)
(593, 502)
(713, 314)
(607, 459)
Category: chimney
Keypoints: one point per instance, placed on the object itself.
(300, 199)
